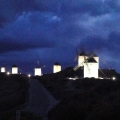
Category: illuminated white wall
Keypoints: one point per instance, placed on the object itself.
(38, 72)
(91, 70)
(14, 70)
(81, 60)
(56, 68)
(3, 69)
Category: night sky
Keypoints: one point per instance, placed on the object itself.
(51, 30)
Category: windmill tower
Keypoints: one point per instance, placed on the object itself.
(37, 70)
(3, 69)
(91, 68)
(89, 63)
(56, 67)
(14, 69)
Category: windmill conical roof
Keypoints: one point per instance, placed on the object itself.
(56, 63)
(38, 66)
(14, 66)
(2, 66)
(82, 53)
(92, 60)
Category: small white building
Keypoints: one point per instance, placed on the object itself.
(38, 71)
(56, 67)
(3, 69)
(14, 69)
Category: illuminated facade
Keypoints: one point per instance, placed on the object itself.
(81, 58)
(91, 68)
(3, 69)
(14, 69)
(56, 67)
(37, 71)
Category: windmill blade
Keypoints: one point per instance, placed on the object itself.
(20, 70)
(90, 56)
(87, 66)
(109, 66)
(43, 66)
(103, 73)
(38, 62)
(77, 54)
(94, 53)
(85, 61)
(77, 66)
(75, 59)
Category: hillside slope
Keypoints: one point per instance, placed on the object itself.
(14, 91)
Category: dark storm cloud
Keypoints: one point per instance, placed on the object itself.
(97, 43)
(114, 4)
(57, 25)
(114, 43)
(72, 21)
(11, 9)
(66, 20)
(27, 33)
(93, 7)
(93, 43)
(8, 45)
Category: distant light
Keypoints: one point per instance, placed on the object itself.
(8, 73)
(72, 78)
(114, 78)
(29, 75)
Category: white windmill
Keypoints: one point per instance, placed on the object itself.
(56, 67)
(37, 70)
(89, 64)
(14, 69)
(3, 69)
